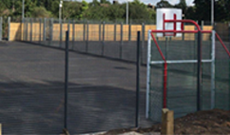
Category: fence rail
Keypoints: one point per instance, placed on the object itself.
(115, 41)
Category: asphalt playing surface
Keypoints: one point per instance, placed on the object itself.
(101, 91)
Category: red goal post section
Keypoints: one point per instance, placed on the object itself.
(174, 31)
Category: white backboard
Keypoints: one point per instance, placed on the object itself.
(169, 14)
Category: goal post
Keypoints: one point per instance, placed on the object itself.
(158, 70)
(167, 62)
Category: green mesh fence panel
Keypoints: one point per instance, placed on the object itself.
(206, 86)
(222, 78)
(182, 75)
(156, 81)
(222, 67)
(181, 88)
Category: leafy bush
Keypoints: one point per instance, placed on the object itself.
(41, 12)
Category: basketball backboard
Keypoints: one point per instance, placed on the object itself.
(168, 14)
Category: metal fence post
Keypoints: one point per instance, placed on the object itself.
(99, 31)
(44, 30)
(9, 19)
(73, 34)
(51, 30)
(129, 31)
(148, 74)
(69, 25)
(40, 30)
(115, 31)
(103, 34)
(196, 35)
(202, 25)
(23, 29)
(87, 36)
(137, 79)
(121, 43)
(103, 39)
(213, 71)
(84, 31)
(0, 28)
(66, 78)
(143, 43)
(183, 33)
(199, 73)
(60, 43)
(31, 29)
(26, 37)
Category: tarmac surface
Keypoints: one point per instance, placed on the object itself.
(101, 93)
(102, 86)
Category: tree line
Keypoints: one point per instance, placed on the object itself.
(107, 11)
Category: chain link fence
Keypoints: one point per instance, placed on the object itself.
(222, 77)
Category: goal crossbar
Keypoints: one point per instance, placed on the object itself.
(179, 61)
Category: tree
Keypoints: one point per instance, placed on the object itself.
(152, 15)
(94, 3)
(53, 7)
(3, 9)
(116, 12)
(40, 12)
(163, 4)
(104, 2)
(190, 13)
(29, 8)
(138, 11)
(182, 5)
(96, 10)
(203, 10)
(7, 3)
(222, 10)
(84, 7)
(97, 13)
(72, 9)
